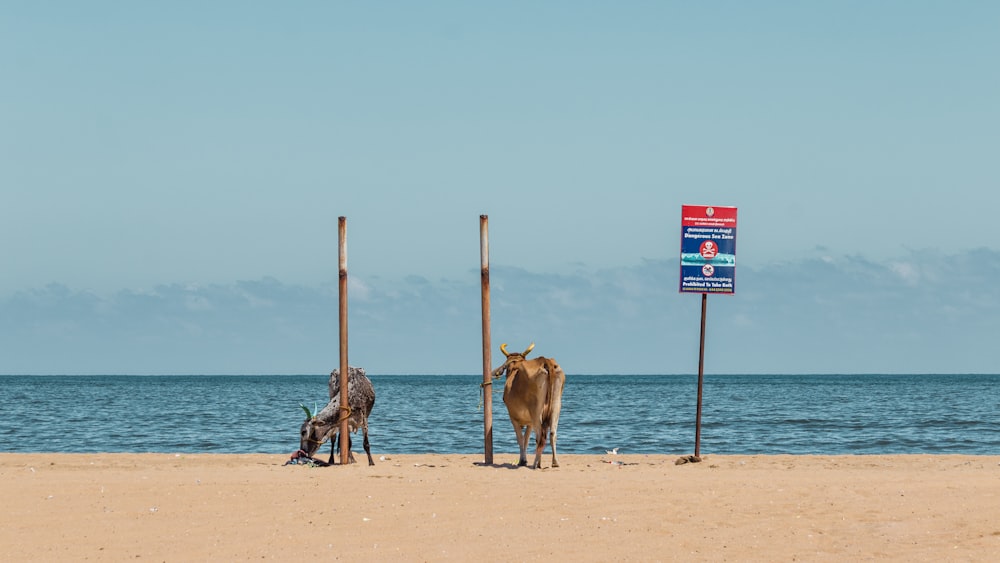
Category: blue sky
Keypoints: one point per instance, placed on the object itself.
(171, 177)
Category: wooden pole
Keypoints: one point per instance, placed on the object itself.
(344, 406)
(487, 389)
(701, 378)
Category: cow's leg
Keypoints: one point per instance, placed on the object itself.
(350, 454)
(555, 409)
(555, 429)
(368, 448)
(540, 434)
(522, 443)
(335, 445)
(555, 462)
(549, 437)
(539, 446)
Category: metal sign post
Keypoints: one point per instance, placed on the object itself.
(701, 378)
(707, 265)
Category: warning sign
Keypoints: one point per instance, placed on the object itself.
(708, 249)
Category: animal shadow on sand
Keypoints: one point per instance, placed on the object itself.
(506, 465)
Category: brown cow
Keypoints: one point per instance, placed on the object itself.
(533, 395)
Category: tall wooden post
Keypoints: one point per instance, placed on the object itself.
(487, 390)
(344, 405)
(701, 378)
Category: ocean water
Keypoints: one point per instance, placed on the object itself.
(741, 414)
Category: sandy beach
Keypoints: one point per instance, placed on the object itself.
(183, 507)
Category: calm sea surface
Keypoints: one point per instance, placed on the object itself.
(741, 414)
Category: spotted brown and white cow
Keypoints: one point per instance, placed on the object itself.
(533, 395)
(325, 424)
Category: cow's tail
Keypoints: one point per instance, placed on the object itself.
(552, 368)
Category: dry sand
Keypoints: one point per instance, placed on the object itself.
(169, 507)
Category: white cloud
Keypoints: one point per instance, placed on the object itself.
(923, 312)
(906, 271)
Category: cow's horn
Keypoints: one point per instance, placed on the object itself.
(305, 408)
(503, 348)
(529, 349)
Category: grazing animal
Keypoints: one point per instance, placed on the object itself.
(325, 424)
(533, 395)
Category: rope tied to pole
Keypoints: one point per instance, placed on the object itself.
(347, 410)
(482, 394)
